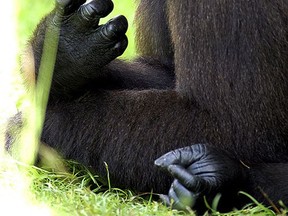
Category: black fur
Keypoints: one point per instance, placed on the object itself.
(230, 60)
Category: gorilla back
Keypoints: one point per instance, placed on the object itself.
(230, 65)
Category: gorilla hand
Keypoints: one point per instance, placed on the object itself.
(199, 170)
(84, 45)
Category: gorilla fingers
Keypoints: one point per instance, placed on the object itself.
(199, 170)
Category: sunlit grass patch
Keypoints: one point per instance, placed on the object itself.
(34, 190)
(74, 193)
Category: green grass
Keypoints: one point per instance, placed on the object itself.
(71, 195)
(59, 193)
(25, 189)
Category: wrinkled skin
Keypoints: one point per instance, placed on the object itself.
(199, 170)
(81, 35)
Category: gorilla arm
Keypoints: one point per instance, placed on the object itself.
(126, 129)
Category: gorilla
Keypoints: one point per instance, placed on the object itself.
(207, 96)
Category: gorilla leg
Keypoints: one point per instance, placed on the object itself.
(126, 129)
(269, 182)
(121, 127)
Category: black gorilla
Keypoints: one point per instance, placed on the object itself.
(212, 72)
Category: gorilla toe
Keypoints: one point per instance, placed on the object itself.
(115, 28)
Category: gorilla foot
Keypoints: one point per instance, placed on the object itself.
(84, 46)
(84, 43)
